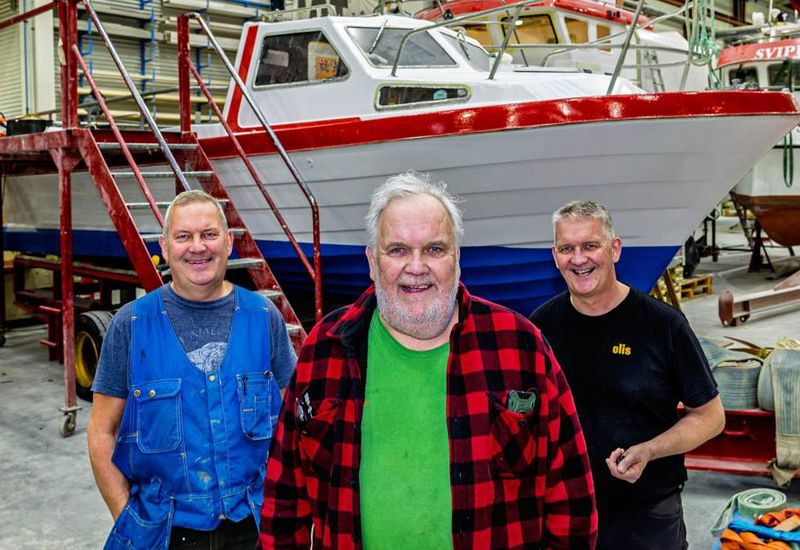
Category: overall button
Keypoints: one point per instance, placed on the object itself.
(137, 393)
(212, 378)
(152, 393)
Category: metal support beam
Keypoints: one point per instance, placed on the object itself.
(66, 159)
(27, 15)
(68, 34)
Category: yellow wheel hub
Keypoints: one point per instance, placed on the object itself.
(86, 356)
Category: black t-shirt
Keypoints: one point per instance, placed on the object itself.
(628, 369)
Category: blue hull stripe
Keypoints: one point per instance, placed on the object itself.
(519, 278)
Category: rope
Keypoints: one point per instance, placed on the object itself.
(749, 504)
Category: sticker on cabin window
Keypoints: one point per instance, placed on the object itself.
(392, 96)
(322, 61)
(277, 58)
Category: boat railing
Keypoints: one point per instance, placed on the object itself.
(186, 66)
(306, 12)
(758, 33)
(696, 53)
(517, 8)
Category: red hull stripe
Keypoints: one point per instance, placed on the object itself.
(354, 131)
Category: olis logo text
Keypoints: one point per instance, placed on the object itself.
(621, 349)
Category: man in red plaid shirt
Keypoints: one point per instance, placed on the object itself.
(422, 417)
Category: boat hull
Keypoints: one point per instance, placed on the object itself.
(772, 193)
(659, 176)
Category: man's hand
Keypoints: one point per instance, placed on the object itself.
(629, 465)
(698, 425)
(104, 421)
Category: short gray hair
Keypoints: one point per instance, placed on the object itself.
(193, 195)
(582, 209)
(406, 185)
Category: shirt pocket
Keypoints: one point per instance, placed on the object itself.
(318, 439)
(255, 391)
(158, 415)
(513, 440)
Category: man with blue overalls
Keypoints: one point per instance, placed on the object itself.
(187, 396)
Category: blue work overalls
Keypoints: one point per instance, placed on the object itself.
(193, 445)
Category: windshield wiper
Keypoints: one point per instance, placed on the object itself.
(378, 36)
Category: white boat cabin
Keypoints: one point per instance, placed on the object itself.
(331, 68)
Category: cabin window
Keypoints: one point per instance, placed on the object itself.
(603, 32)
(477, 57)
(380, 46)
(743, 75)
(578, 30)
(397, 95)
(298, 58)
(532, 29)
(480, 33)
(784, 75)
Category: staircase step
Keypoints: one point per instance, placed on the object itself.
(271, 294)
(165, 204)
(239, 263)
(113, 145)
(244, 263)
(163, 175)
(153, 237)
(144, 205)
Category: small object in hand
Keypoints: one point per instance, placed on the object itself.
(619, 459)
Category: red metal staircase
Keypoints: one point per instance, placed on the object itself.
(200, 170)
(111, 156)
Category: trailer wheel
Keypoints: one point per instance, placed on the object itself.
(90, 328)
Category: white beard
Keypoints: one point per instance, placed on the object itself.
(424, 326)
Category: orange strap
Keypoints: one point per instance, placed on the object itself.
(731, 540)
(774, 518)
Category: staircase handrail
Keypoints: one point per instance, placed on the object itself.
(173, 163)
(118, 136)
(316, 272)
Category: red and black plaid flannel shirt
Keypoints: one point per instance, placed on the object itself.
(518, 481)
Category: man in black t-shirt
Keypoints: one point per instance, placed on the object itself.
(629, 360)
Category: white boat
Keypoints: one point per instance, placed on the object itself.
(771, 188)
(514, 148)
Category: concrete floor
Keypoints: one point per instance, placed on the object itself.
(49, 499)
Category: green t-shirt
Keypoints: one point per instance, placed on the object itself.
(405, 452)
